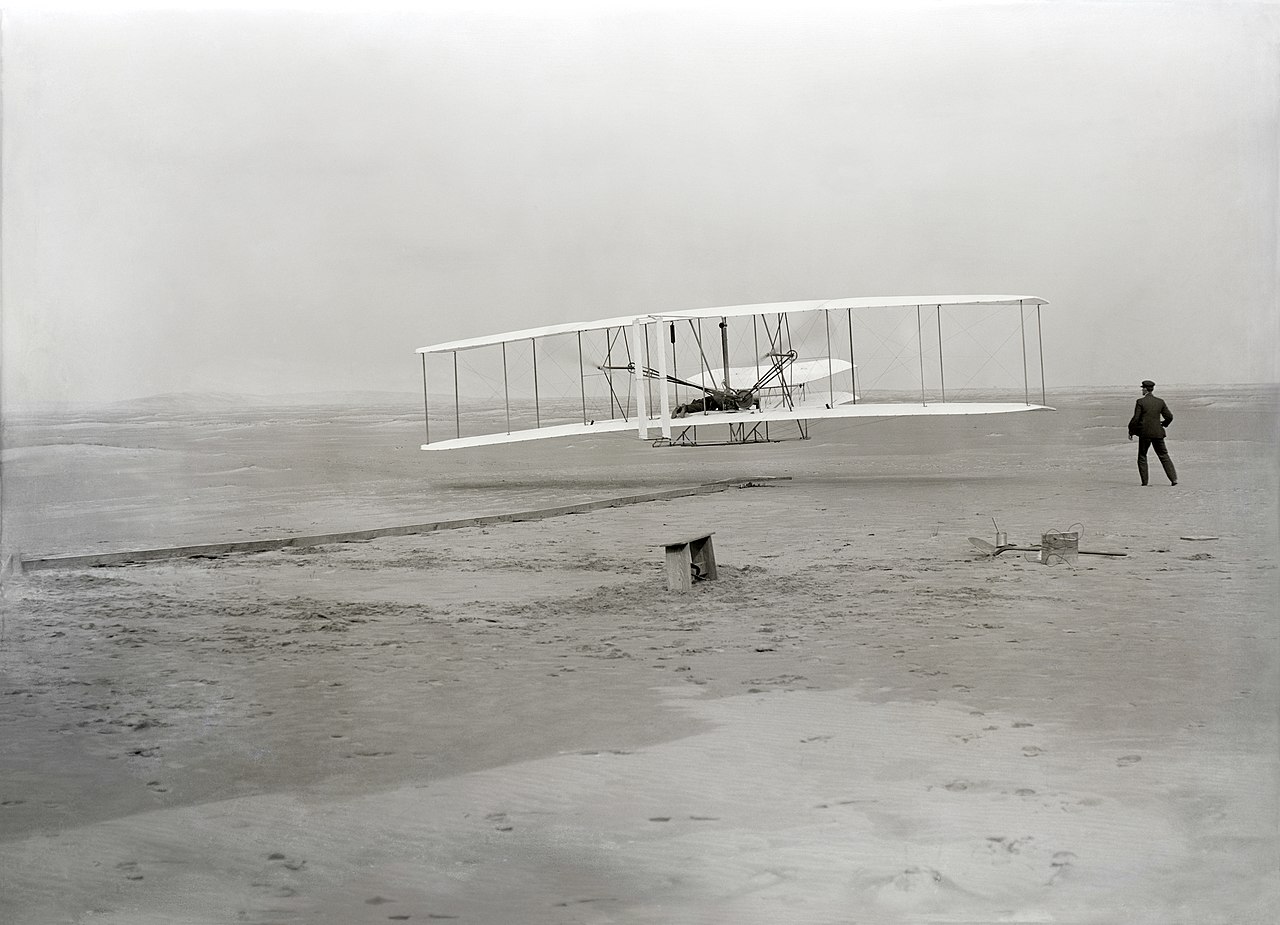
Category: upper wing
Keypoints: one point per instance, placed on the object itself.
(732, 311)
(855, 303)
(530, 333)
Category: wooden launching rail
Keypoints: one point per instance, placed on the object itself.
(211, 550)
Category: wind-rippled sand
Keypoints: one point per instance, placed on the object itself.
(862, 720)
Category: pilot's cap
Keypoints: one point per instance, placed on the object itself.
(1148, 384)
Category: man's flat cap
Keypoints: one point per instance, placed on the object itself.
(1148, 384)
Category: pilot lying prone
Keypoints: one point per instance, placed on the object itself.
(731, 400)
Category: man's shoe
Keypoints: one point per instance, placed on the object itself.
(1171, 484)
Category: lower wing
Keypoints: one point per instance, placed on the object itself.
(754, 416)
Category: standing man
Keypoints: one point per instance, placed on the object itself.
(1150, 417)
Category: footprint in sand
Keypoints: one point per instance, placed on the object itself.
(1031, 751)
(1061, 863)
(130, 870)
(1002, 845)
(500, 822)
(842, 803)
(289, 863)
(915, 887)
(1128, 760)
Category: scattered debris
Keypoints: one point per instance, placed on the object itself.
(1049, 547)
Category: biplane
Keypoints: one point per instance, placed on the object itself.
(737, 374)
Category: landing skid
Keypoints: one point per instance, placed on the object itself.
(739, 435)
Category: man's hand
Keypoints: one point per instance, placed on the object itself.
(1131, 438)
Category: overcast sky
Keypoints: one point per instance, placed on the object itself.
(293, 201)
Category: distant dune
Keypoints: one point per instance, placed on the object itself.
(215, 402)
(180, 401)
(61, 452)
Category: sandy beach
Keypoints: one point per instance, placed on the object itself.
(864, 719)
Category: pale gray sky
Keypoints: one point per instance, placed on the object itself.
(291, 201)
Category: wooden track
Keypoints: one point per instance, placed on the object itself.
(209, 550)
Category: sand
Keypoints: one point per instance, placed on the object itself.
(863, 719)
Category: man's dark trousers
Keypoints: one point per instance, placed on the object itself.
(1162, 454)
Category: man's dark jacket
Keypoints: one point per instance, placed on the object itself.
(1150, 417)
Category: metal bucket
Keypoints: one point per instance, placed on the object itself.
(1059, 547)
